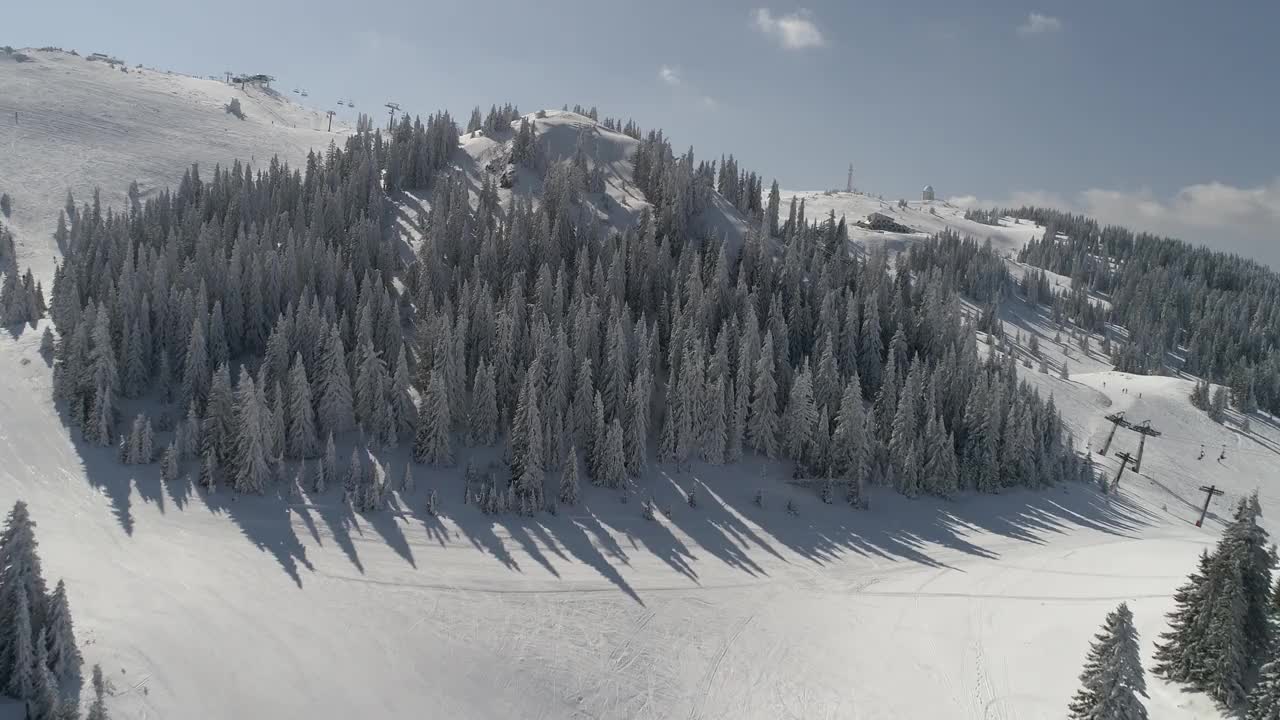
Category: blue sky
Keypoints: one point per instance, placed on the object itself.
(1161, 114)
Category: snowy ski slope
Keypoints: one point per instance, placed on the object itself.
(214, 607)
(69, 123)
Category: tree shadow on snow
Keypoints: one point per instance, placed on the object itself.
(265, 522)
(607, 535)
(898, 528)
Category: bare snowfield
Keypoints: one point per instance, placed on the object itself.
(203, 606)
(70, 123)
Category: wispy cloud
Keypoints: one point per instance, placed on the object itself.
(794, 31)
(1225, 217)
(1038, 24)
(683, 90)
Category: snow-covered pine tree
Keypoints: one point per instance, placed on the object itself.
(569, 485)
(336, 404)
(169, 463)
(45, 703)
(637, 428)
(612, 464)
(1218, 404)
(1219, 630)
(1112, 680)
(98, 707)
(715, 433)
(372, 382)
(301, 440)
(18, 659)
(402, 407)
(299, 480)
(252, 470)
(904, 450)
(1264, 700)
(209, 469)
(327, 471)
(528, 454)
(99, 425)
(800, 416)
(188, 437)
(146, 443)
(20, 574)
(762, 423)
(63, 655)
(219, 424)
(482, 420)
(354, 479)
(850, 452)
(826, 381)
(407, 484)
(1251, 549)
(819, 455)
(583, 410)
(195, 370)
(432, 443)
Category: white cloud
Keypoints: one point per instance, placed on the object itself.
(1038, 24)
(794, 31)
(1242, 220)
(685, 91)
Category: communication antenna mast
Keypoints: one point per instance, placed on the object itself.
(848, 185)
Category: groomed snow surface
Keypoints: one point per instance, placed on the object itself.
(982, 607)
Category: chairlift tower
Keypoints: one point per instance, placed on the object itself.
(1124, 460)
(1116, 420)
(392, 109)
(1210, 491)
(1146, 431)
